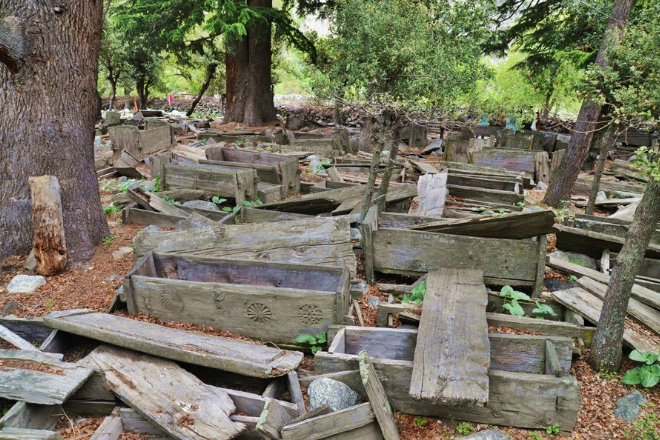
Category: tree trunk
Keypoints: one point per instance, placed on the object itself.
(113, 86)
(563, 180)
(366, 133)
(45, 49)
(249, 81)
(48, 225)
(605, 145)
(545, 111)
(606, 346)
(210, 72)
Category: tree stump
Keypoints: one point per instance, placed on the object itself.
(48, 225)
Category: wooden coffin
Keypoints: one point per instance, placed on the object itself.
(530, 385)
(268, 301)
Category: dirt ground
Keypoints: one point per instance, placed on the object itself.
(94, 284)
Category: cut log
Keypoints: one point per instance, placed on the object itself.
(452, 356)
(378, 398)
(587, 305)
(167, 395)
(516, 225)
(35, 377)
(49, 243)
(431, 190)
(641, 294)
(224, 354)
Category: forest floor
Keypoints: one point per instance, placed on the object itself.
(93, 286)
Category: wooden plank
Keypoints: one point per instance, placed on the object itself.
(30, 416)
(272, 419)
(516, 225)
(167, 395)
(334, 175)
(224, 354)
(543, 326)
(425, 168)
(28, 434)
(330, 424)
(592, 243)
(377, 397)
(552, 365)
(513, 262)
(513, 160)
(16, 340)
(584, 303)
(110, 429)
(641, 294)
(295, 392)
(431, 190)
(485, 195)
(35, 377)
(609, 202)
(452, 356)
(640, 311)
(144, 217)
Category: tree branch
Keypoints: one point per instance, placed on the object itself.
(12, 43)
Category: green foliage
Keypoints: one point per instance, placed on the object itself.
(543, 309)
(237, 208)
(647, 426)
(107, 240)
(158, 186)
(647, 375)
(574, 261)
(572, 278)
(534, 436)
(511, 298)
(417, 293)
(648, 161)
(315, 342)
(553, 429)
(218, 200)
(464, 428)
(420, 422)
(111, 209)
(170, 201)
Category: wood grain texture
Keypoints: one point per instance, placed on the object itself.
(272, 419)
(431, 190)
(330, 425)
(224, 354)
(167, 395)
(452, 355)
(49, 242)
(593, 243)
(35, 377)
(377, 397)
(513, 160)
(31, 416)
(16, 340)
(28, 434)
(110, 429)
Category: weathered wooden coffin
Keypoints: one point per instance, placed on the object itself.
(268, 301)
(271, 168)
(521, 394)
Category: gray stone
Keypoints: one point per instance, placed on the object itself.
(627, 213)
(356, 234)
(112, 118)
(330, 392)
(624, 195)
(31, 262)
(600, 196)
(10, 307)
(542, 186)
(123, 179)
(532, 208)
(627, 408)
(573, 257)
(150, 229)
(490, 434)
(202, 204)
(373, 301)
(25, 283)
(553, 285)
(121, 253)
(294, 123)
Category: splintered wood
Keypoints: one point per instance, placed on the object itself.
(452, 356)
(48, 225)
(167, 395)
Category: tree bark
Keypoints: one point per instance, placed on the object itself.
(210, 73)
(249, 80)
(563, 180)
(605, 145)
(45, 131)
(607, 343)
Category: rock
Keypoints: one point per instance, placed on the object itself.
(31, 262)
(601, 196)
(627, 213)
(123, 179)
(202, 204)
(10, 307)
(575, 258)
(25, 283)
(151, 228)
(373, 301)
(542, 186)
(554, 285)
(627, 408)
(356, 234)
(121, 253)
(624, 195)
(490, 434)
(433, 146)
(330, 392)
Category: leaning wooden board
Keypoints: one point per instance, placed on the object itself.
(168, 395)
(513, 160)
(588, 306)
(224, 354)
(35, 377)
(452, 355)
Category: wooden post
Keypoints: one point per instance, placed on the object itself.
(385, 181)
(371, 183)
(48, 225)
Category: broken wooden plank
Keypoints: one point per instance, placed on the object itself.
(126, 166)
(512, 160)
(640, 311)
(31, 416)
(324, 426)
(377, 397)
(16, 340)
(334, 175)
(589, 306)
(224, 354)
(425, 168)
(272, 419)
(296, 393)
(168, 395)
(110, 428)
(613, 203)
(485, 195)
(543, 326)
(641, 294)
(452, 355)
(28, 434)
(431, 190)
(35, 377)
(552, 365)
(516, 225)
(592, 243)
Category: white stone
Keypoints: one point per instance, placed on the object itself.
(25, 283)
(121, 253)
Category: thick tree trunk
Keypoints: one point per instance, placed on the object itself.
(53, 49)
(249, 81)
(210, 73)
(564, 178)
(606, 346)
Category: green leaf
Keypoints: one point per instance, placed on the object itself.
(650, 375)
(236, 209)
(649, 358)
(306, 338)
(514, 308)
(544, 309)
(506, 291)
(632, 377)
(520, 296)
(316, 349)
(226, 209)
(217, 200)
(258, 202)
(406, 298)
(321, 338)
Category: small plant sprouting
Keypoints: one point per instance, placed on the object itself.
(417, 293)
(218, 200)
(49, 303)
(316, 342)
(158, 186)
(107, 240)
(111, 209)
(534, 436)
(170, 201)
(237, 208)
(572, 278)
(543, 309)
(465, 428)
(647, 375)
(511, 298)
(553, 429)
(647, 426)
(420, 421)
